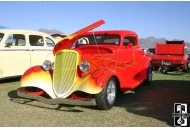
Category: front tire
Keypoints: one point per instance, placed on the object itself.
(105, 100)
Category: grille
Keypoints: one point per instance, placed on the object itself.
(64, 71)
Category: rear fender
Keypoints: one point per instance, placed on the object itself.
(144, 66)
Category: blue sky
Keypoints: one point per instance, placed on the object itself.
(170, 20)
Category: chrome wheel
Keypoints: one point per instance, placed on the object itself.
(111, 92)
(149, 75)
(106, 98)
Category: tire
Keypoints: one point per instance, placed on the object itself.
(164, 71)
(149, 75)
(156, 68)
(185, 68)
(105, 100)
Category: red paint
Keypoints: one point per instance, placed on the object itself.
(39, 93)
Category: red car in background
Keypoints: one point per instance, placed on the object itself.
(171, 55)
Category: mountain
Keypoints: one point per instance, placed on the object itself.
(2, 27)
(150, 42)
(50, 31)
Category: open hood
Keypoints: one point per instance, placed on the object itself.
(67, 42)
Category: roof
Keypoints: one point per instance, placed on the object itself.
(120, 32)
(21, 31)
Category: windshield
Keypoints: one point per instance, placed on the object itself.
(1, 36)
(99, 39)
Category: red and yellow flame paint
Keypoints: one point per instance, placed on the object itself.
(102, 67)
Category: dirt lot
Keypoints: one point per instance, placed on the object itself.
(145, 106)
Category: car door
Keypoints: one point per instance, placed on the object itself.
(39, 49)
(128, 55)
(15, 55)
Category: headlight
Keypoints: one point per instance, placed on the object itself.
(47, 65)
(84, 66)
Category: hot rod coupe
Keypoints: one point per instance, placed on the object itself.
(171, 55)
(101, 65)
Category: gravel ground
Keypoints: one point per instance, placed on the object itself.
(145, 106)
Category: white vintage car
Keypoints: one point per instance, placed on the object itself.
(21, 49)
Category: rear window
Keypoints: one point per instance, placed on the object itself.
(1, 36)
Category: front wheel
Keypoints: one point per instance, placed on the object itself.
(106, 98)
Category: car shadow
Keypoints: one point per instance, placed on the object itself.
(9, 80)
(14, 98)
(156, 100)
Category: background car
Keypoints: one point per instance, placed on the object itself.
(21, 49)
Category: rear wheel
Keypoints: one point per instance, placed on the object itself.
(106, 98)
(184, 69)
(164, 71)
(149, 75)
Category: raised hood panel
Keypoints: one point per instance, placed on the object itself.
(67, 42)
(170, 49)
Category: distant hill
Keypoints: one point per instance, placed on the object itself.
(2, 27)
(151, 41)
(50, 31)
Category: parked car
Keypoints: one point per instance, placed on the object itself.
(171, 55)
(21, 49)
(58, 37)
(102, 64)
(152, 50)
(148, 52)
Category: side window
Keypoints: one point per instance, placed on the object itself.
(15, 40)
(129, 39)
(36, 40)
(49, 42)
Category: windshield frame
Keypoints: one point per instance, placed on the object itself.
(96, 35)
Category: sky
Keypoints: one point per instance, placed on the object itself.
(169, 20)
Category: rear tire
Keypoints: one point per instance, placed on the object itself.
(185, 68)
(164, 71)
(105, 100)
(149, 75)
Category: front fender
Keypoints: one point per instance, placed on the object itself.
(36, 76)
(92, 83)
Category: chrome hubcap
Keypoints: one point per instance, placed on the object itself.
(111, 92)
